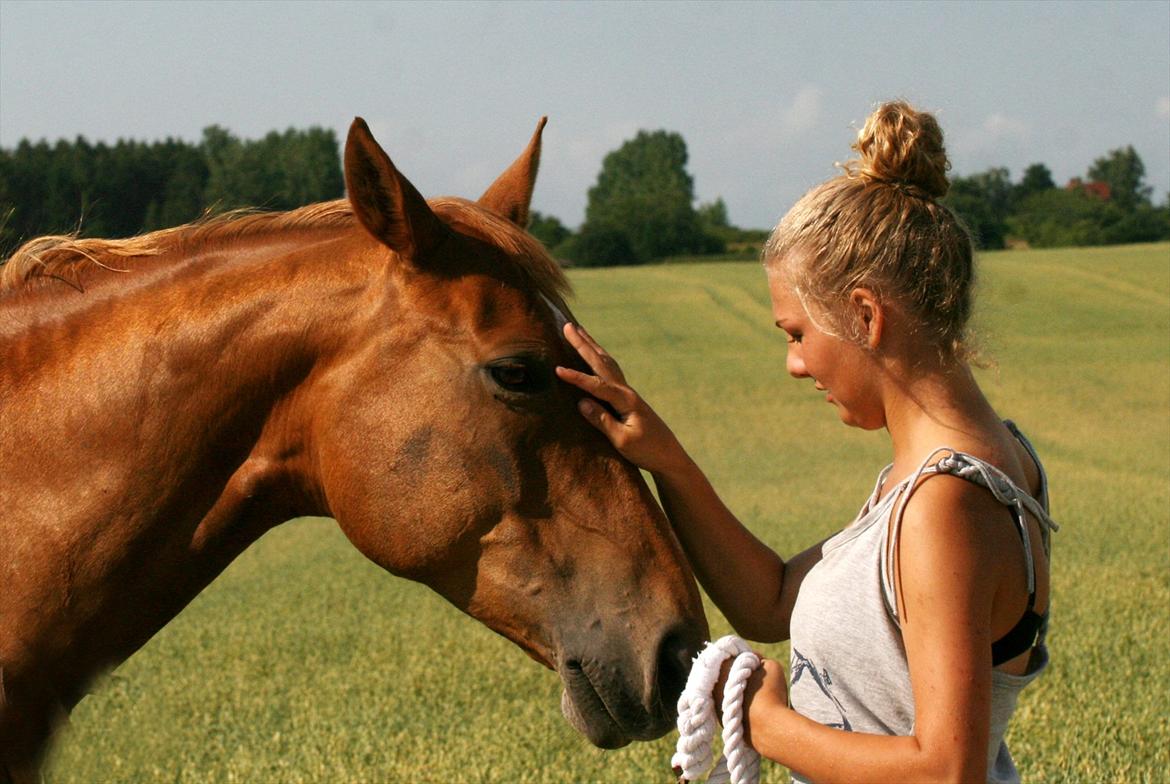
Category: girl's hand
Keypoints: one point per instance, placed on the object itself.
(765, 693)
(636, 431)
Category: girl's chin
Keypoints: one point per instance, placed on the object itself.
(849, 419)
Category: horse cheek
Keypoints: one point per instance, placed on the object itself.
(408, 508)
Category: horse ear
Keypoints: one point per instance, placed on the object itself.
(384, 201)
(511, 193)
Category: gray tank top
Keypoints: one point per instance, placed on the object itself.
(849, 667)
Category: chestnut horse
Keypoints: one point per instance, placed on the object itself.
(382, 360)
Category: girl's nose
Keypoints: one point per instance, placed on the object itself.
(795, 364)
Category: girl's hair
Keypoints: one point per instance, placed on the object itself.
(879, 225)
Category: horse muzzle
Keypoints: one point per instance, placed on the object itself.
(612, 703)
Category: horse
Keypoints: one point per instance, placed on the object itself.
(383, 360)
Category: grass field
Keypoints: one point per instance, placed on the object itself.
(304, 662)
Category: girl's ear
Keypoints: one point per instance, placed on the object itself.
(869, 316)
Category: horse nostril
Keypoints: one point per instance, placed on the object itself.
(675, 657)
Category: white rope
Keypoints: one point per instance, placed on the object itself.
(696, 717)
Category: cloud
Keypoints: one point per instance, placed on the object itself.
(763, 124)
(589, 146)
(804, 113)
(1000, 126)
(998, 132)
(1162, 107)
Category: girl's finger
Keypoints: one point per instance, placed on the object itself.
(600, 418)
(617, 397)
(597, 347)
(588, 349)
(589, 338)
(594, 355)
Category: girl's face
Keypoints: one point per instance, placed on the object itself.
(845, 371)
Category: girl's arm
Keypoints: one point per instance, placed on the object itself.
(753, 586)
(745, 578)
(950, 565)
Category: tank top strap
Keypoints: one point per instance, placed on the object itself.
(889, 589)
(984, 474)
(871, 502)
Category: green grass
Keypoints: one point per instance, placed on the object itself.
(304, 662)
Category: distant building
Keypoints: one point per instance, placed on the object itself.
(1094, 188)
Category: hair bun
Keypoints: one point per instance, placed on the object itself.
(902, 146)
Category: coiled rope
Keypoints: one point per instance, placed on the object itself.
(739, 764)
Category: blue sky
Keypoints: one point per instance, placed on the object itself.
(767, 95)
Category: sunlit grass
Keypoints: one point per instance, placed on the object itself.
(304, 662)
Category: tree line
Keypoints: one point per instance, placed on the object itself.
(123, 189)
(642, 207)
(1111, 204)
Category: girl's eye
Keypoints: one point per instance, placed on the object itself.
(519, 376)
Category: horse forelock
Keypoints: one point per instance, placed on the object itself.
(524, 250)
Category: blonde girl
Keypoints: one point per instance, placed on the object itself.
(915, 627)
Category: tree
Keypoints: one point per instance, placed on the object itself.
(1037, 178)
(547, 229)
(1122, 169)
(311, 166)
(714, 215)
(983, 201)
(129, 187)
(644, 194)
(1060, 216)
(282, 171)
(599, 246)
(181, 200)
(1057, 217)
(720, 235)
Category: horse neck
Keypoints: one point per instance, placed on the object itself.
(241, 335)
(179, 438)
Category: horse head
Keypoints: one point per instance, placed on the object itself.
(451, 455)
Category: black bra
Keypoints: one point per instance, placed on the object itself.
(1023, 636)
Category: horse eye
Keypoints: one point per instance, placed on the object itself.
(517, 376)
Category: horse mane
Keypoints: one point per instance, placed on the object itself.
(61, 256)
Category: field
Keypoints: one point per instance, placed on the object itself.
(304, 662)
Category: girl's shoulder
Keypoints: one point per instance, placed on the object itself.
(1002, 457)
(949, 537)
(954, 495)
(956, 499)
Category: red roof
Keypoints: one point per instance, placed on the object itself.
(1094, 188)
